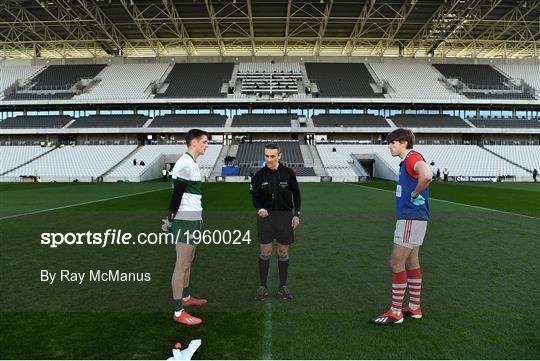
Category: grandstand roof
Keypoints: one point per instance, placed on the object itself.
(83, 28)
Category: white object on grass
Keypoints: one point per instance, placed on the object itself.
(187, 353)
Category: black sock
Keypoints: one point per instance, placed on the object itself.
(264, 266)
(283, 266)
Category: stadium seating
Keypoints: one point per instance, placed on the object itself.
(336, 163)
(483, 81)
(196, 80)
(484, 75)
(40, 95)
(269, 67)
(269, 79)
(428, 120)
(529, 73)
(342, 80)
(64, 76)
(468, 160)
(249, 154)
(37, 122)
(81, 161)
(10, 74)
(262, 120)
(253, 152)
(56, 82)
(460, 160)
(413, 81)
(504, 123)
(110, 121)
(495, 95)
(14, 155)
(113, 85)
(349, 120)
(153, 153)
(188, 120)
(304, 172)
(527, 156)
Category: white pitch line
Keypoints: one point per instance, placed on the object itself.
(267, 340)
(79, 204)
(456, 203)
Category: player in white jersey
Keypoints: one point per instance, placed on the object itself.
(185, 214)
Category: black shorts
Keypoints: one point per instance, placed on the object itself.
(277, 226)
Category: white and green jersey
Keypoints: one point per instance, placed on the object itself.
(187, 171)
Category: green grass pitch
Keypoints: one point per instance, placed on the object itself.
(480, 296)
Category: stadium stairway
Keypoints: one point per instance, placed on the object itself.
(318, 166)
(358, 167)
(29, 161)
(216, 171)
(390, 122)
(469, 122)
(121, 161)
(506, 159)
(307, 156)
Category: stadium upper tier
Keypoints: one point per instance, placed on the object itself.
(349, 120)
(188, 120)
(36, 122)
(343, 80)
(381, 81)
(483, 82)
(110, 121)
(261, 122)
(504, 123)
(195, 80)
(428, 120)
(56, 81)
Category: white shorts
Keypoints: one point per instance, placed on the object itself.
(410, 232)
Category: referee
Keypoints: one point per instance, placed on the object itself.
(273, 189)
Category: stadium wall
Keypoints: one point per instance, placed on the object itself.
(267, 59)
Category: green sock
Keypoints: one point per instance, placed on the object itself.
(186, 293)
(177, 304)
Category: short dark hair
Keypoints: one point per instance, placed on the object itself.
(401, 134)
(273, 146)
(194, 134)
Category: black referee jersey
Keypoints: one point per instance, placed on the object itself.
(275, 190)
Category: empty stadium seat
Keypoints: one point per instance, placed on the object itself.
(428, 120)
(37, 122)
(504, 123)
(349, 120)
(249, 154)
(413, 81)
(197, 80)
(75, 162)
(150, 154)
(110, 121)
(13, 155)
(262, 120)
(112, 83)
(527, 156)
(342, 80)
(188, 120)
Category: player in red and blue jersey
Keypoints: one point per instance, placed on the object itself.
(412, 213)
